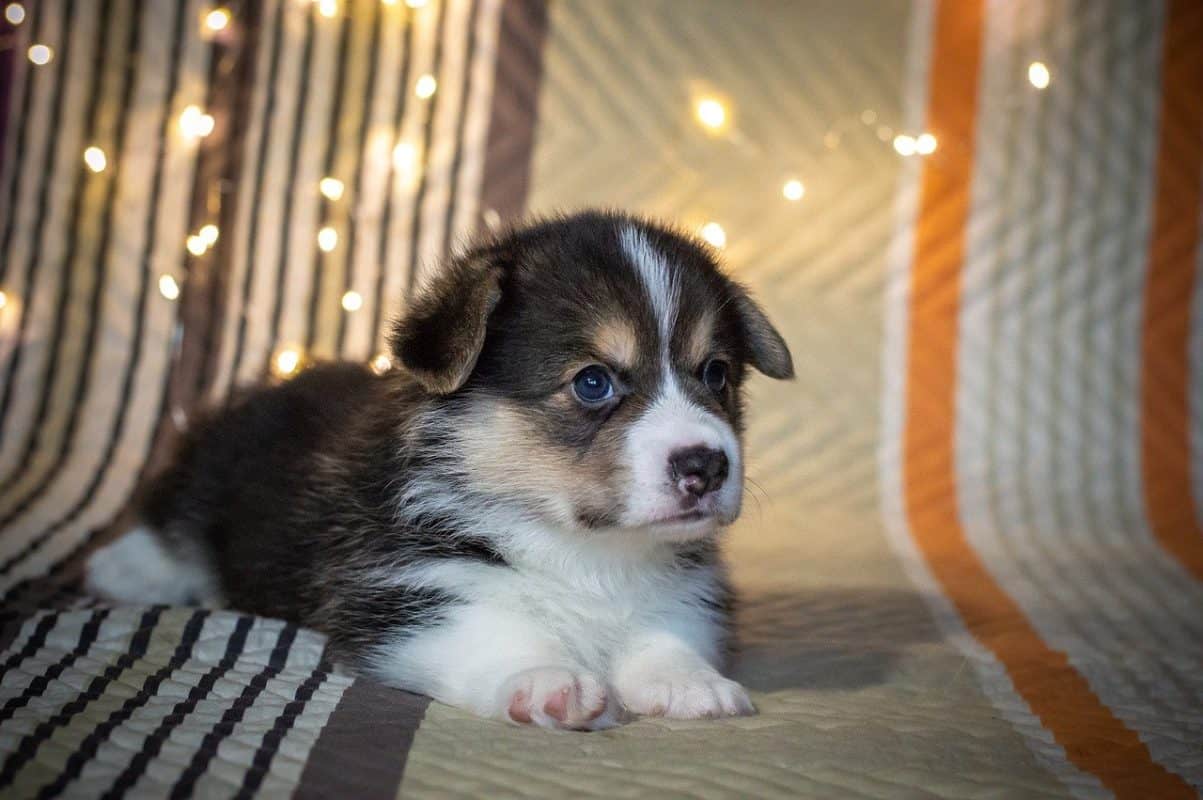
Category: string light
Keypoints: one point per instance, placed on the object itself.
(925, 144)
(711, 113)
(352, 301)
(168, 287)
(405, 156)
(331, 188)
(426, 86)
(382, 363)
(286, 361)
(328, 8)
(15, 14)
(327, 239)
(868, 116)
(904, 145)
(793, 190)
(40, 54)
(196, 245)
(208, 234)
(714, 234)
(217, 19)
(885, 132)
(194, 123)
(1038, 75)
(95, 158)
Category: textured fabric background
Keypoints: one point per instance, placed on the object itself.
(972, 558)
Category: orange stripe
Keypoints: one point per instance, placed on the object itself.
(1094, 739)
(1164, 395)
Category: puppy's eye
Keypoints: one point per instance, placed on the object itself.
(714, 375)
(592, 385)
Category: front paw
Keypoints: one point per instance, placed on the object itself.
(701, 694)
(556, 697)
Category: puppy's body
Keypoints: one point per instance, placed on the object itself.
(483, 525)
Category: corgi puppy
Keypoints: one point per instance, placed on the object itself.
(523, 517)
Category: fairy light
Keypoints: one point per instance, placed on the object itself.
(711, 113)
(793, 190)
(217, 19)
(95, 158)
(352, 301)
(194, 123)
(331, 188)
(868, 116)
(885, 133)
(904, 145)
(286, 361)
(328, 8)
(196, 245)
(714, 234)
(40, 54)
(15, 14)
(925, 144)
(1038, 75)
(327, 239)
(168, 287)
(208, 234)
(382, 363)
(405, 156)
(426, 86)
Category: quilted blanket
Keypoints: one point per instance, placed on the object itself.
(971, 563)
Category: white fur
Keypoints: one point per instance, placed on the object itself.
(136, 568)
(657, 279)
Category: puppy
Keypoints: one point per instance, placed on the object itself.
(521, 519)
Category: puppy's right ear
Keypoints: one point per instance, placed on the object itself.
(440, 337)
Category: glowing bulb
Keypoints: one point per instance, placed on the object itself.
(331, 188)
(711, 113)
(925, 144)
(328, 8)
(40, 54)
(208, 234)
(95, 158)
(714, 234)
(405, 155)
(194, 123)
(168, 287)
(286, 361)
(868, 116)
(885, 133)
(3, 299)
(426, 86)
(14, 13)
(217, 19)
(793, 190)
(352, 301)
(415, 3)
(1038, 75)
(196, 245)
(382, 363)
(904, 145)
(327, 239)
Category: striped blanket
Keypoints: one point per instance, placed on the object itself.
(972, 558)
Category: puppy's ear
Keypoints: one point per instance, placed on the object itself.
(767, 350)
(440, 337)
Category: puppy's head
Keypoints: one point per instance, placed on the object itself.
(589, 370)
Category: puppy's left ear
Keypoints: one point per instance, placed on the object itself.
(767, 350)
(440, 337)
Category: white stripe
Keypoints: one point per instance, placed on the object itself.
(476, 129)
(661, 285)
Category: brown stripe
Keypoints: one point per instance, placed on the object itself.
(511, 140)
(1165, 379)
(1093, 737)
(362, 749)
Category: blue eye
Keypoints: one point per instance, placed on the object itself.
(592, 385)
(714, 375)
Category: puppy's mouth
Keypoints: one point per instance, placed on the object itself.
(684, 517)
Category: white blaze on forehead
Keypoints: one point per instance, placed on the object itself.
(657, 278)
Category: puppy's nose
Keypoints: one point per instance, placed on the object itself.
(698, 470)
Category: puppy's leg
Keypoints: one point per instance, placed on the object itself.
(139, 567)
(668, 670)
(497, 663)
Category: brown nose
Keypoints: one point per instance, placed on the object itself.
(698, 470)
